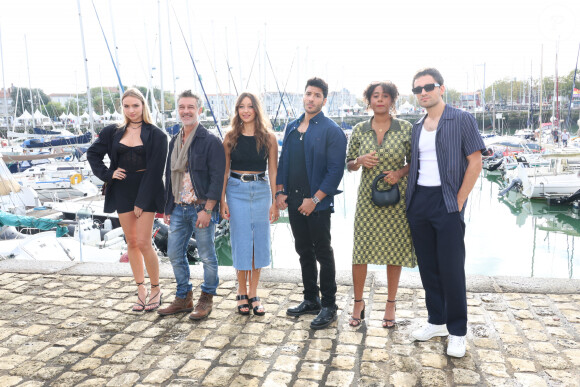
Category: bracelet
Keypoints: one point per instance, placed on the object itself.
(279, 193)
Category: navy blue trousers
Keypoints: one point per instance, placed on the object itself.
(440, 248)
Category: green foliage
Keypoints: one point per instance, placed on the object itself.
(71, 106)
(452, 97)
(520, 89)
(54, 109)
(39, 97)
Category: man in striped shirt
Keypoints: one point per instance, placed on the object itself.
(445, 163)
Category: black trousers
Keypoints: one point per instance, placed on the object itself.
(440, 248)
(312, 243)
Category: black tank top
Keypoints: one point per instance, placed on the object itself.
(132, 158)
(245, 157)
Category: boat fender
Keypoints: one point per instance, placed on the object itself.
(76, 178)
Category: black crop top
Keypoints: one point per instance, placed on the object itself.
(132, 158)
(245, 157)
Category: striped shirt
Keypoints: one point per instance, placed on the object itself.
(457, 137)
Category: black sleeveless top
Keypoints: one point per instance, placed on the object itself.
(245, 157)
(132, 158)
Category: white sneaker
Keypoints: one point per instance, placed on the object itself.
(456, 346)
(428, 331)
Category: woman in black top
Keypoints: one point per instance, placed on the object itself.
(250, 149)
(134, 186)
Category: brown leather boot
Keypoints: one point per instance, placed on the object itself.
(179, 305)
(203, 307)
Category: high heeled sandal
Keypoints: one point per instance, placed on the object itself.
(140, 304)
(355, 322)
(256, 309)
(387, 321)
(157, 303)
(241, 297)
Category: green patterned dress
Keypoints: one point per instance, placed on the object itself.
(381, 234)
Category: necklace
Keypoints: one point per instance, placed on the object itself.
(302, 135)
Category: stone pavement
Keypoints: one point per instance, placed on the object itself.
(63, 324)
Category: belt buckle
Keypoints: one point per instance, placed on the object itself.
(249, 175)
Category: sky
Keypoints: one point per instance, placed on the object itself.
(278, 45)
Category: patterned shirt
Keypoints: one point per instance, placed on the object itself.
(187, 194)
(457, 137)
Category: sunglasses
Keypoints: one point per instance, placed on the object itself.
(429, 87)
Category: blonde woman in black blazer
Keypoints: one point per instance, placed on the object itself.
(134, 186)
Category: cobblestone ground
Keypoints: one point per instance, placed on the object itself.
(62, 330)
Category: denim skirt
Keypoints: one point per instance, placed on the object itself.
(249, 204)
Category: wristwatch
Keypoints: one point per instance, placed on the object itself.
(279, 193)
(207, 211)
(315, 199)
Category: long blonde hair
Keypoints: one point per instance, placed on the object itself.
(262, 124)
(133, 92)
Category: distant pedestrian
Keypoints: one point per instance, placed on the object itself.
(445, 164)
(248, 199)
(565, 137)
(310, 169)
(194, 176)
(134, 186)
(381, 234)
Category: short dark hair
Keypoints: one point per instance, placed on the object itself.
(190, 94)
(429, 71)
(318, 82)
(387, 86)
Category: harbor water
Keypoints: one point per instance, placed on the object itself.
(510, 236)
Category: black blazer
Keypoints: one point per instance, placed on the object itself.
(206, 162)
(151, 189)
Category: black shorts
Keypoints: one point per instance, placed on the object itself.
(125, 193)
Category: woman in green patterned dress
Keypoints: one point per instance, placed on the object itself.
(381, 234)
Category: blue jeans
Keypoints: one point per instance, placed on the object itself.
(183, 224)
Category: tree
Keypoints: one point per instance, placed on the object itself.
(39, 97)
(54, 109)
(452, 97)
(110, 99)
(71, 106)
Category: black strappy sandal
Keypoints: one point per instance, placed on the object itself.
(140, 304)
(355, 322)
(240, 297)
(158, 303)
(387, 321)
(256, 309)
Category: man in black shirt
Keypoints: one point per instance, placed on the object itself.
(309, 172)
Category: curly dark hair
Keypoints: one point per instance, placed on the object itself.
(388, 87)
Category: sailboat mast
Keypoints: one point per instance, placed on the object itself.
(556, 89)
(196, 80)
(541, 95)
(3, 81)
(172, 60)
(568, 118)
(483, 110)
(89, 99)
(102, 96)
(29, 83)
(116, 52)
(161, 99)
